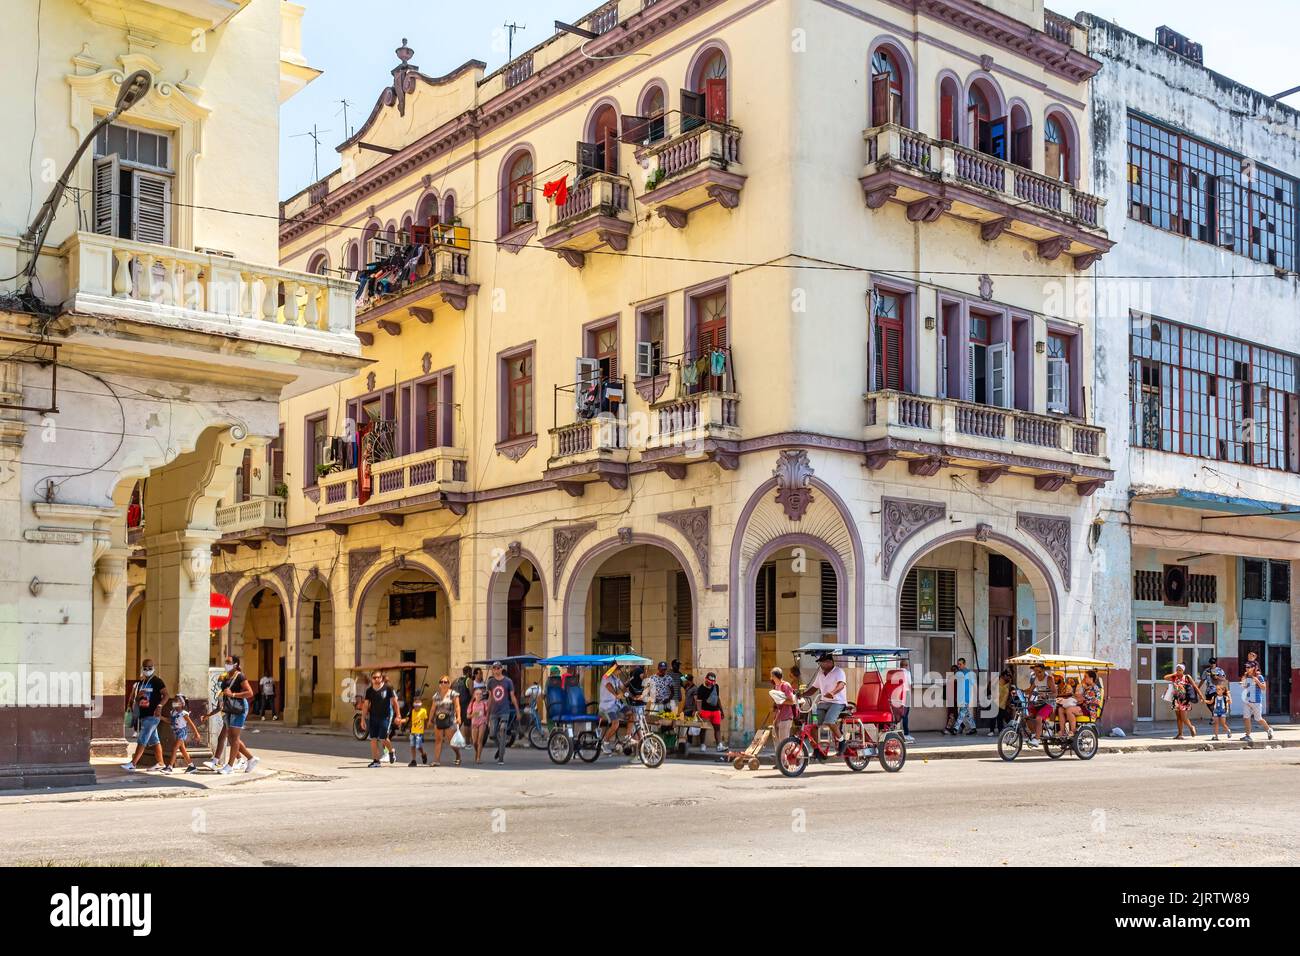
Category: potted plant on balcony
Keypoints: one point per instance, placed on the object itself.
(322, 470)
(281, 490)
(655, 178)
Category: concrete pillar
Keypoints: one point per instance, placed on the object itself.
(108, 653)
(1295, 641)
(178, 607)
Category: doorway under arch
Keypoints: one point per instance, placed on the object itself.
(404, 616)
(315, 654)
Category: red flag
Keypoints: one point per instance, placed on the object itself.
(557, 190)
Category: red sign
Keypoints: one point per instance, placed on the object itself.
(220, 612)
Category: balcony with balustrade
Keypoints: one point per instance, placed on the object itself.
(698, 166)
(440, 276)
(935, 178)
(150, 300)
(597, 214)
(589, 450)
(420, 481)
(934, 433)
(252, 521)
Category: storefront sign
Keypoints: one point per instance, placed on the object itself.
(49, 536)
(1185, 635)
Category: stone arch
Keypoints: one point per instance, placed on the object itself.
(427, 207)
(827, 525)
(948, 83)
(1065, 118)
(584, 570)
(1035, 567)
(239, 604)
(498, 589)
(593, 114)
(406, 563)
(990, 89)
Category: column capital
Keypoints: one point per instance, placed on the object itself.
(110, 569)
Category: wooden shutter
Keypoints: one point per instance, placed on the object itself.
(692, 109)
(907, 603)
(946, 131)
(276, 451)
(715, 99)
(830, 607)
(616, 604)
(970, 371)
(880, 99)
(889, 354)
(1022, 147)
(246, 476)
(589, 159)
(107, 177)
(685, 611)
(429, 407)
(151, 210)
(999, 375)
(446, 411)
(611, 151)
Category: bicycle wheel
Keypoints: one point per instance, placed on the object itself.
(1055, 747)
(537, 736)
(1086, 743)
(858, 760)
(560, 747)
(652, 750)
(358, 727)
(893, 751)
(791, 757)
(1010, 741)
(588, 746)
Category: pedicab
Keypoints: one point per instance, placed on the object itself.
(1084, 740)
(527, 722)
(867, 727)
(575, 724)
(411, 683)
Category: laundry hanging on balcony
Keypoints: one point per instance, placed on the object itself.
(718, 363)
(557, 191)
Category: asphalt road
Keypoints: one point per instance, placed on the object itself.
(314, 802)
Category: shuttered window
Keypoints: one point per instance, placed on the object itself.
(765, 599)
(830, 605)
(615, 615)
(887, 344)
(685, 610)
(133, 185)
(929, 600)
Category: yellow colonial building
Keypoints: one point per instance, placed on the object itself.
(716, 327)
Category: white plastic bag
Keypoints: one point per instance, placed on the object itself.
(458, 739)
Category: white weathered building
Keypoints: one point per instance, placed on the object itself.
(1197, 369)
(146, 340)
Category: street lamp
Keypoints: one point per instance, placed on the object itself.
(134, 89)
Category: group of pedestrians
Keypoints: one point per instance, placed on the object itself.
(463, 716)
(1215, 693)
(151, 704)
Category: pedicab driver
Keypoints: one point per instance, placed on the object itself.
(833, 684)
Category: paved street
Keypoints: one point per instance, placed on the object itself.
(314, 802)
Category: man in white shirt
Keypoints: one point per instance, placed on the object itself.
(267, 687)
(833, 684)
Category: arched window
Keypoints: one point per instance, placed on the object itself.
(654, 105)
(1022, 137)
(390, 232)
(707, 97)
(319, 264)
(449, 208)
(428, 209)
(407, 220)
(600, 152)
(371, 232)
(352, 257)
(517, 191)
(986, 129)
(888, 88)
(1058, 152)
(949, 109)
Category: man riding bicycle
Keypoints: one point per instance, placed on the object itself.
(831, 681)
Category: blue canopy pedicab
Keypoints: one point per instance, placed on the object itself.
(575, 724)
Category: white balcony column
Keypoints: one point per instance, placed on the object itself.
(193, 293)
(168, 292)
(145, 289)
(310, 313)
(291, 287)
(122, 274)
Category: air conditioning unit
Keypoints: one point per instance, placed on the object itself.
(523, 212)
(379, 249)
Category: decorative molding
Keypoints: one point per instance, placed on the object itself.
(446, 551)
(877, 196)
(563, 542)
(986, 281)
(625, 535)
(285, 574)
(517, 448)
(651, 388)
(223, 582)
(693, 523)
(359, 562)
(1051, 249)
(426, 362)
(793, 483)
(1053, 533)
(900, 519)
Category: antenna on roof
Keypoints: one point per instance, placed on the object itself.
(314, 133)
(510, 29)
(347, 130)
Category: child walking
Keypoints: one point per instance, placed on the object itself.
(1220, 707)
(182, 727)
(419, 717)
(478, 720)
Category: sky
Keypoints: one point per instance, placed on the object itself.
(354, 41)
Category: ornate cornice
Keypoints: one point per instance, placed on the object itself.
(1053, 533)
(900, 519)
(446, 551)
(793, 483)
(693, 523)
(563, 542)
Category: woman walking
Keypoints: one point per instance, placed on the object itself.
(446, 719)
(236, 692)
(1185, 694)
